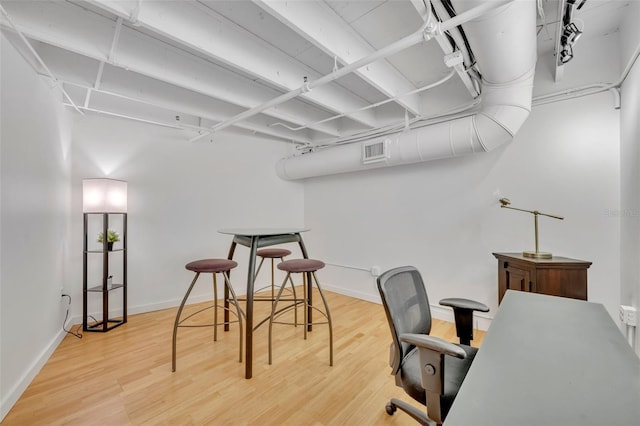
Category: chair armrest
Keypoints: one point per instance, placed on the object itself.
(472, 305)
(435, 344)
(463, 313)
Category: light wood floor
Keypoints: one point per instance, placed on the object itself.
(124, 377)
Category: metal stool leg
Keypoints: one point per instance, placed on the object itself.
(215, 308)
(295, 297)
(273, 312)
(177, 322)
(328, 315)
(306, 304)
(239, 311)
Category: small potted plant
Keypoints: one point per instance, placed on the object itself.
(112, 237)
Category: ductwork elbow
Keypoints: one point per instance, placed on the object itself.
(504, 111)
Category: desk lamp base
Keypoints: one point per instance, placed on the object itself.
(537, 254)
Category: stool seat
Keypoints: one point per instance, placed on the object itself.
(273, 253)
(211, 265)
(301, 265)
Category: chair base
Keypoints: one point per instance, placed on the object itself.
(418, 415)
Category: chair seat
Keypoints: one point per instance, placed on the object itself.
(273, 253)
(301, 265)
(455, 372)
(211, 265)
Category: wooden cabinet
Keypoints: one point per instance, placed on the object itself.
(558, 276)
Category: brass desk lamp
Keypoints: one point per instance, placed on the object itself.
(505, 203)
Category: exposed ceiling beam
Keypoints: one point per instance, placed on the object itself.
(141, 54)
(190, 25)
(321, 26)
(35, 55)
(151, 109)
(112, 51)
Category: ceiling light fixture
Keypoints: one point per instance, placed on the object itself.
(570, 32)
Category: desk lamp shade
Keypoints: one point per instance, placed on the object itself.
(104, 196)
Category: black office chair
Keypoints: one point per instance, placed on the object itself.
(444, 364)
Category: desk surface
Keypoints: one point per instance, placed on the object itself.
(550, 361)
(250, 232)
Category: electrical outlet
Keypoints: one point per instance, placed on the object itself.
(375, 271)
(628, 315)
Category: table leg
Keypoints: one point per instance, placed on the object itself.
(249, 308)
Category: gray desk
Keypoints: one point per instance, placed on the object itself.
(550, 361)
(255, 238)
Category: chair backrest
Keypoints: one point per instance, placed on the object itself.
(406, 304)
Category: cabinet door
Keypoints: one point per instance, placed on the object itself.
(512, 278)
(569, 282)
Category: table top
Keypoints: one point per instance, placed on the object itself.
(250, 232)
(550, 360)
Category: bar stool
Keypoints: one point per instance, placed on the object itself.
(308, 268)
(272, 254)
(213, 266)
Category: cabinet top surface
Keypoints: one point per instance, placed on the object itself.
(553, 260)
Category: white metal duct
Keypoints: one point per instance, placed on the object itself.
(504, 44)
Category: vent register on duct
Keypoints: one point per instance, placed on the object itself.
(374, 152)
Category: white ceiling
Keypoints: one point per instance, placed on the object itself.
(197, 64)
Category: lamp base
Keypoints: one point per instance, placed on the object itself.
(537, 254)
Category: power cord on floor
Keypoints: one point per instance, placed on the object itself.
(66, 316)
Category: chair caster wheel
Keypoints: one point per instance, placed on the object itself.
(390, 408)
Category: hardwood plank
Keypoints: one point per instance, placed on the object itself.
(124, 376)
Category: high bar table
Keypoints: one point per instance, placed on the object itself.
(255, 238)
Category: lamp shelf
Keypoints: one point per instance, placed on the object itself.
(103, 251)
(109, 325)
(98, 288)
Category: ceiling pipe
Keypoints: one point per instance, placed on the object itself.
(504, 44)
(424, 33)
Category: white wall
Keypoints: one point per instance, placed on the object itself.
(444, 218)
(34, 222)
(630, 175)
(180, 194)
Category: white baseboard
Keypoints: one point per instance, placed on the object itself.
(481, 321)
(10, 397)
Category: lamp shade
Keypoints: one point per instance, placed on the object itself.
(104, 196)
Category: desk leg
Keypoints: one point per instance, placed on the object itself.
(249, 308)
(232, 250)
